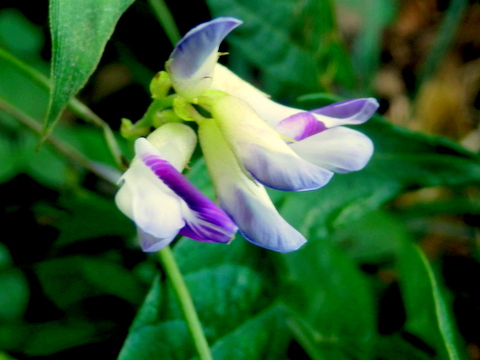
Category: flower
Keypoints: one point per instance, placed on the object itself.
(161, 201)
(253, 141)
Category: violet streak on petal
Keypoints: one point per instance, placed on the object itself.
(205, 221)
(300, 126)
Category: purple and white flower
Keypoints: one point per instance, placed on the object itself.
(252, 140)
(161, 201)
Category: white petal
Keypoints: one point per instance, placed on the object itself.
(261, 151)
(245, 201)
(175, 142)
(153, 207)
(339, 149)
(227, 81)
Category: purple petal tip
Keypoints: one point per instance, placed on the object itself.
(197, 44)
(205, 221)
(354, 111)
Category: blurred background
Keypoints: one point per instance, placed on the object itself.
(71, 276)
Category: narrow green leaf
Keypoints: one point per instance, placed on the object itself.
(80, 30)
(445, 37)
(428, 315)
(376, 15)
(164, 16)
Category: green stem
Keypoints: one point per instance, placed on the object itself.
(75, 105)
(71, 154)
(176, 278)
(165, 18)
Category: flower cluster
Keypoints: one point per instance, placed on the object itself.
(248, 142)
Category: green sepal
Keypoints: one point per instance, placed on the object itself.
(160, 85)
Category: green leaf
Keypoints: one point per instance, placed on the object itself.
(80, 30)
(261, 337)
(224, 296)
(67, 281)
(363, 245)
(227, 293)
(331, 307)
(14, 294)
(20, 35)
(428, 313)
(299, 41)
(166, 340)
(83, 215)
(394, 347)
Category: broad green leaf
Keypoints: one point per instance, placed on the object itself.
(14, 294)
(149, 313)
(262, 337)
(330, 304)
(41, 339)
(169, 340)
(375, 237)
(192, 255)
(428, 313)
(299, 41)
(227, 293)
(83, 215)
(53, 337)
(224, 296)
(67, 281)
(80, 30)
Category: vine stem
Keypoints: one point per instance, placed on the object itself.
(173, 272)
(71, 154)
(74, 104)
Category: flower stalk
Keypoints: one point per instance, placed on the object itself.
(194, 326)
